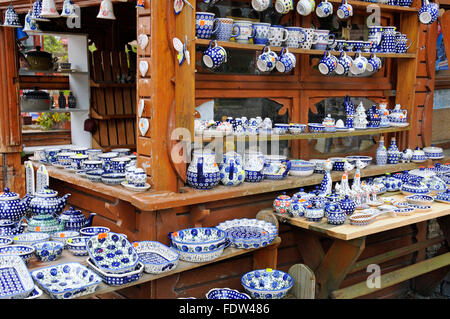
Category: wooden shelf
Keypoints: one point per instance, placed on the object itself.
(383, 7)
(303, 136)
(257, 47)
(111, 85)
(181, 267)
(103, 117)
(57, 111)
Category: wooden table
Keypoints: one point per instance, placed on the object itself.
(332, 267)
(262, 258)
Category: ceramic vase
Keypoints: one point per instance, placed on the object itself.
(381, 153)
(393, 154)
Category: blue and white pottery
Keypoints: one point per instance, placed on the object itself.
(92, 165)
(113, 178)
(12, 207)
(381, 153)
(435, 184)
(262, 31)
(316, 127)
(48, 250)
(402, 42)
(203, 172)
(232, 171)
(117, 279)
(50, 154)
(277, 35)
(443, 197)
(204, 22)
(66, 281)
(94, 175)
(284, 6)
(62, 236)
(5, 241)
(246, 31)
(352, 159)
(324, 9)
(301, 168)
(17, 282)
(47, 202)
(373, 116)
(314, 210)
(63, 159)
(75, 219)
(77, 245)
(226, 29)
(414, 186)
(119, 164)
(328, 63)
(374, 63)
(345, 10)
(106, 160)
(388, 42)
(267, 283)
(323, 39)
(428, 13)
(253, 165)
(338, 163)
(347, 205)
(30, 238)
(139, 177)
(419, 199)
(375, 34)
(77, 161)
(93, 230)
(359, 64)
(286, 62)
(226, 293)
(308, 42)
(297, 207)
(214, 56)
(418, 156)
(93, 153)
(277, 167)
(79, 150)
(358, 46)
(156, 257)
(393, 153)
(294, 37)
(404, 3)
(44, 222)
(23, 251)
(392, 184)
(266, 60)
(11, 18)
(343, 64)
(282, 204)
(433, 152)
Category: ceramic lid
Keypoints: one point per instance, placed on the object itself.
(433, 149)
(283, 197)
(72, 211)
(121, 159)
(46, 192)
(8, 195)
(418, 151)
(108, 155)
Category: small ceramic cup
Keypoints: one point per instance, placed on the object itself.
(129, 174)
(358, 46)
(226, 29)
(266, 60)
(92, 165)
(77, 161)
(308, 42)
(139, 177)
(323, 39)
(328, 63)
(93, 153)
(345, 10)
(262, 31)
(294, 36)
(278, 34)
(64, 159)
(214, 56)
(359, 64)
(246, 33)
(284, 6)
(204, 22)
(324, 9)
(260, 5)
(119, 164)
(374, 63)
(344, 63)
(286, 61)
(305, 7)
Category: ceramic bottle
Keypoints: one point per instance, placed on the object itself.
(393, 154)
(381, 153)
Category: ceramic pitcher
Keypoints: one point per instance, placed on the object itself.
(203, 172)
(232, 171)
(254, 166)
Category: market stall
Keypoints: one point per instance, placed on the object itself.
(228, 104)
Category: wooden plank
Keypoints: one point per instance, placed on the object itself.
(100, 104)
(304, 282)
(109, 97)
(394, 277)
(118, 98)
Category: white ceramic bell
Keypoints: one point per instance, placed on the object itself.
(11, 18)
(49, 9)
(68, 10)
(106, 10)
(31, 25)
(36, 11)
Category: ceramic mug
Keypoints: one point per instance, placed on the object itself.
(266, 62)
(344, 63)
(226, 29)
(359, 64)
(324, 9)
(262, 31)
(308, 42)
(349, 45)
(374, 63)
(340, 45)
(429, 12)
(367, 46)
(204, 22)
(286, 61)
(328, 63)
(284, 6)
(401, 43)
(305, 7)
(260, 5)
(358, 46)
(278, 34)
(323, 39)
(214, 56)
(345, 10)
(294, 36)
(247, 31)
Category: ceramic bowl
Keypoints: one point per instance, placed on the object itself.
(30, 238)
(117, 279)
(280, 128)
(316, 127)
(301, 168)
(199, 239)
(443, 197)
(93, 230)
(5, 241)
(77, 246)
(62, 236)
(319, 165)
(16, 279)
(23, 251)
(200, 257)
(48, 250)
(296, 130)
(338, 163)
(112, 253)
(419, 199)
(156, 257)
(433, 152)
(365, 159)
(225, 293)
(113, 178)
(267, 283)
(94, 175)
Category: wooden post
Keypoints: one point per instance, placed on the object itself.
(12, 174)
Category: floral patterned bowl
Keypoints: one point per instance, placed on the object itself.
(62, 236)
(30, 238)
(199, 239)
(267, 283)
(226, 293)
(24, 251)
(77, 246)
(48, 250)
(93, 230)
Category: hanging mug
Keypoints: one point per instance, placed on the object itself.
(286, 61)
(266, 60)
(374, 63)
(345, 10)
(344, 63)
(305, 7)
(359, 64)
(429, 12)
(328, 63)
(324, 9)
(284, 6)
(214, 56)
(260, 5)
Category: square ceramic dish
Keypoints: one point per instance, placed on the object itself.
(112, 253)
(23, 251)
(66, 281)
(156, 257)
(30, 238)
(118, 279)
(15, 280)
(267, 283)
(36, 293)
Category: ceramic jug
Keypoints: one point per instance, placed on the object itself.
(347, 205)
(232, 171)
(203, 172)
(393, 153)
(254, 165)
(332, 210)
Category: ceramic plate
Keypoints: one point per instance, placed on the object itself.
(156, 257)
(65, 281)
(135, 188)
(112, 253)
(267, 283)
(398, 124)
(16, 282)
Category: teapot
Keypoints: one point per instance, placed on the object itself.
(232, 171)
(333, 211)
(10, 228)
(12, 207)
(75, 220)
(45, 222)
(48, 202)
(398, 115)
